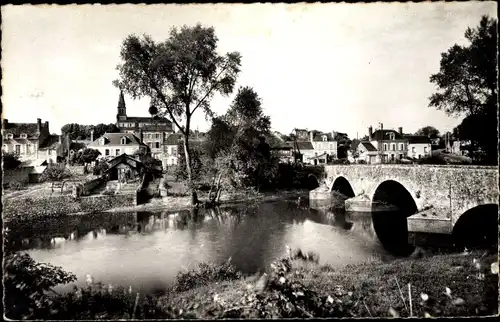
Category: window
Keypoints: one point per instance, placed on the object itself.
(10, 136)
(413, 149)
(157, 145)
(157, 135)
(331, 146)
(106, 152)
(123, 140)
(400, 157)
(394, 147)
(385, 147)
(23, 136)
(18, 149)
(401, 147)
(28, 148)
(5, 147)
(174, 151)
(324, 138)
(419, 156)
(117, 151)
(425, 149)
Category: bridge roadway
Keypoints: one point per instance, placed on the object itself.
(433, 197)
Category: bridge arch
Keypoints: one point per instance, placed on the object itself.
(342, 186)
(390, 224)
(312, 182)
(477, 227)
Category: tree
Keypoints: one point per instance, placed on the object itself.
(10, 161)
(467, 86)
(179, 75)
(88, 155)
(429, 131)
(102, 128)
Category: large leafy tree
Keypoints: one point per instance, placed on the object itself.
(467, 87)
(429, 131)
(179, 76)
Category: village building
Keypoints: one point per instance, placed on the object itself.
(115, 144)
(124, 168)
(173, 147)
(419, 146)
(155, 130)
(31, 141)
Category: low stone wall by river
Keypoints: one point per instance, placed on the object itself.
(31, 208)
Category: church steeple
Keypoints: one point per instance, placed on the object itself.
(122, 109)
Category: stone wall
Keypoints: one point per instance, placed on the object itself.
(34, 208)
(450, 190)
(76, 170)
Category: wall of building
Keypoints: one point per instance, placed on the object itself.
(112, 150)
(420, 150)
(396, 149)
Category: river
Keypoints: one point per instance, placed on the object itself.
(146, 250)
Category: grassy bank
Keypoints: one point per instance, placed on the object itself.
(434, 286)
(378, 290)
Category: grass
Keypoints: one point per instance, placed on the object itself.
(439, 285)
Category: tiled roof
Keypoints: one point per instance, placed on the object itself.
(318, 137)
(115, 139)
(416, 139)
(19, 141)
(161, 120)
(368, 146)
(124, 158)
(304, 145)
(378, 135)
(51, 142)
(17, 129)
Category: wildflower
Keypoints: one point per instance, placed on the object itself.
(427, 315)
(330, 299)
(393, 312)
(494, 267)
(424, 296)
(448, 292)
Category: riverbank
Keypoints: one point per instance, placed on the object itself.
(445, 285)
(26, 209)
(440, 285)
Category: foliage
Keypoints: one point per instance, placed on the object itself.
(55, 172)
(196, 153)
(84, 156)
(179, 75)
(237, 143)
(467, 84)
(16, 185)
(26, 286)
(205, 274)
(431, 160)
(429, 131)
(100, 167)
(82, 132)
(10, 161)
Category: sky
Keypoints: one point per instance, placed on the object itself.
(329, 67)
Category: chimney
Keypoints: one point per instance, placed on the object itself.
(370, 133)
(400, 129)
(47, 126)
(333, 135)
(311, 135)
(141, 136)
(92, 135)
(4, 123)
(39, 125)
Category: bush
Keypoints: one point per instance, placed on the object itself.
(204, 275)
(55, 172)
(362, 162)
(16, 185)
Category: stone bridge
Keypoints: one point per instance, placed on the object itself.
(434, 197)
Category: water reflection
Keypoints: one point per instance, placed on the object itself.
(147, 249)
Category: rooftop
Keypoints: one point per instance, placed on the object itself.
(115, 139)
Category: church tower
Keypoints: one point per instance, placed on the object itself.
(122, 110)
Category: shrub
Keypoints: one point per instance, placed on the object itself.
(204, 275)
(16, 185)
(55, 172)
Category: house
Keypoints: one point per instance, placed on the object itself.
(30, 141)
(172, 151)
(324, 143)
(124, 168)
(419, 146)
(391, 145)
(155, 130)
(318, 159)
(115, 144)
(305, 150)
(285, 152)
(366, 152)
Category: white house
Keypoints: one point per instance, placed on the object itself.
(115, 144)
(419, 146)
